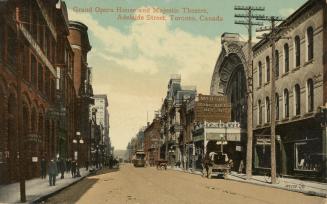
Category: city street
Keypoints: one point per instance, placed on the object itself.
(149, 185)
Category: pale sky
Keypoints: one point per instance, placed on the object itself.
(132, 60)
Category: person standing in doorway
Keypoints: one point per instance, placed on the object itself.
(43, 168)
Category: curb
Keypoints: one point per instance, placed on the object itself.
(310, 193)
(44, 197)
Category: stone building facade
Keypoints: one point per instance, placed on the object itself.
(152, 141)
(300, 80)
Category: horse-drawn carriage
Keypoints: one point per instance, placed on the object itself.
(216, 164)
(161, 164)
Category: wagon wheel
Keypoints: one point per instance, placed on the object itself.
(210, 173)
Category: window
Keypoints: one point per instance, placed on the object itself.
(267, 69)
(286, 104)
(286, 58)
(40, 77)
(26, 62)
(263, 156)
(47, 83)
(297, 43)
(260, 112)
(33, 70)
(11, 48)
(297, 98)
(276, 63)
(267, 110)
(260, 73)
(310, 43)
(310, 95)
(277, 106)
(306, 157)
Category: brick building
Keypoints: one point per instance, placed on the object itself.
(29, 58)
(78, 38)
(152, 140)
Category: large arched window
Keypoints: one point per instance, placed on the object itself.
(310, 95)
(267, 110)
(286, 104)
(259, 112)
(277, 106)
(286, 58)
(267, 69)
(277, 63)
(297, 43)
(297, 99)
(260, 73)
(310, 43)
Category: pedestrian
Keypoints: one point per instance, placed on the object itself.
(86, 165)
(43, 168)
(53, 172)
(68, 165)
(73, 169)
(62, 168)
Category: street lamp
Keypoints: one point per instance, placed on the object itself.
(78, 141)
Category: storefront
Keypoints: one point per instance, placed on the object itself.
(298, 149)
(219, 137)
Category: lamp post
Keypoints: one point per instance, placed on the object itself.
(78, 141)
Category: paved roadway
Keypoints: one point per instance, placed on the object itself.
(147, 185)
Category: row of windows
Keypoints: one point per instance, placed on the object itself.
(286, 103)
(297, 57)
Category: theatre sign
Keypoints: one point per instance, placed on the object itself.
(210, 108)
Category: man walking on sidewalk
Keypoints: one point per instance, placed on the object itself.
(53, 172)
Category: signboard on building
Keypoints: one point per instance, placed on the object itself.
(212, 108)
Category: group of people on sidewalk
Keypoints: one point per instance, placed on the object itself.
(54, 167)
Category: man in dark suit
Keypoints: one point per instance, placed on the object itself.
(53, 172)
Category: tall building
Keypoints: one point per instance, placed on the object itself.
(78, 38)
(300, 72)
(32, 106)
(102, 119)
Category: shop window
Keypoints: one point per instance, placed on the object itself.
(286, 58)
(263, 153)
(277, 63)
(267, 110)
(286, 104)
(297, 98)
(310, 43)
(306, 159)
(310, 94)
(260, 73)
(297, 43)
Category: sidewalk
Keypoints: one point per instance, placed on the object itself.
(290, 184)
(37, 188)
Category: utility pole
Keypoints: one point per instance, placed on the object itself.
(272, 37)
(249, 17)
(20, 131)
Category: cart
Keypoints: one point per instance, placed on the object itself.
(218, 164)
(161, 164)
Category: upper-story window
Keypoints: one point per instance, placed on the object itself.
(286, 58)
(297, 45)
(40, 77)
(260, 112)
(297, 99)
(267, 69)
(11, 48)
(260, 72)
(310, 94)
(267, 110)
(310, 43)
(276, 63)
(33, 70)
(286, 104)
(277, 106)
